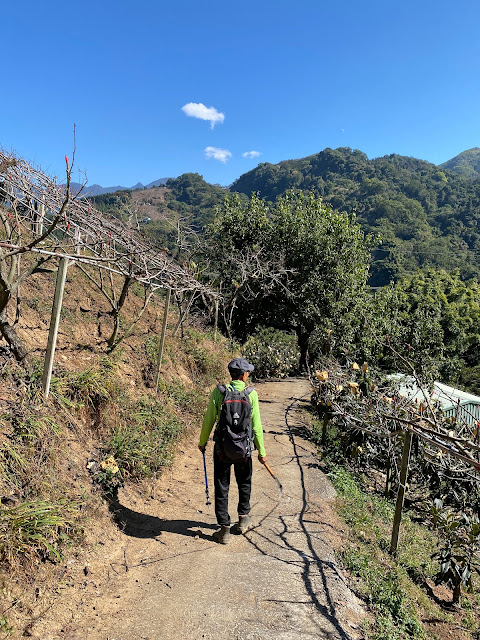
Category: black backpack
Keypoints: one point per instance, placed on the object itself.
(233, 434)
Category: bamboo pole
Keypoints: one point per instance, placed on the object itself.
(54, 322)
(162, 338)
(407, 447)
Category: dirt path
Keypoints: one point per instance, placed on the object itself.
(169, 580)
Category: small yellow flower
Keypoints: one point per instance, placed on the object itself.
(322, 375)
(109, 464)
(364, 367)
(355, 367)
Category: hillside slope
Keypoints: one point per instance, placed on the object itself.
(55, 452)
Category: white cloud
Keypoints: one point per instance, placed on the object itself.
(218, 154)
(251, 154)
(199, 110)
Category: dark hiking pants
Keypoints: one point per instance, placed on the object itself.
(221, 475)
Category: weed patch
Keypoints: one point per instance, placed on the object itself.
(204, 362)
(385, 583)
(36, 530)
(144, 444)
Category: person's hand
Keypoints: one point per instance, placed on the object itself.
(202, 447)
(262, 459)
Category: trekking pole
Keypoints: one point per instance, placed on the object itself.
(280, 488)
(206, 481)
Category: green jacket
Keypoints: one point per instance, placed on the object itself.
(213, 413)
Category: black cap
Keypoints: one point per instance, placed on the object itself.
(240, 365)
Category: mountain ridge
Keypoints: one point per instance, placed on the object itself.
(98, 190)
(466, 164)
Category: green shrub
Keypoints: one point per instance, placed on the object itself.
(274, 353)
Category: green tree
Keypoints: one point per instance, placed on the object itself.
(327, 257)
(433, 319)
(239, 260)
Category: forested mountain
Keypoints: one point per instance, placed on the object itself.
(425, 216)
(191, 196)
(466, 164)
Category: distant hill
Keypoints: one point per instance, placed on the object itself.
(97, 190)
(466, 164)
(157, 210)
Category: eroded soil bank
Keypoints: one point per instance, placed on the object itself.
(161, 577)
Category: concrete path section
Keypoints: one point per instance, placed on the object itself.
(280, 581)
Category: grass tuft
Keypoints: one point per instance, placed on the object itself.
(36, 530)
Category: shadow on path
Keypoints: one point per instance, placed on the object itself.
(312, 566)
(141, 525)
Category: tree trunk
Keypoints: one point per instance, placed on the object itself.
(456, 594)
(303, 337)
(116, 325)
(115, 312)
(16, 344)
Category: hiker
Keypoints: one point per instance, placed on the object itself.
(235, 406)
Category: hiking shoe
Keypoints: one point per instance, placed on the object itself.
(222, 535)
(244, 524)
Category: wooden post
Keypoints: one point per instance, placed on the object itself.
(162, 338)
(407, 447)
(324, 428)
(216, 321)
(77, 240)
(54, 322)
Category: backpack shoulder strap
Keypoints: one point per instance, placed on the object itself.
(248, 390)
(222, 388)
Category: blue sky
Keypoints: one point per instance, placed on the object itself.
(290, 79)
